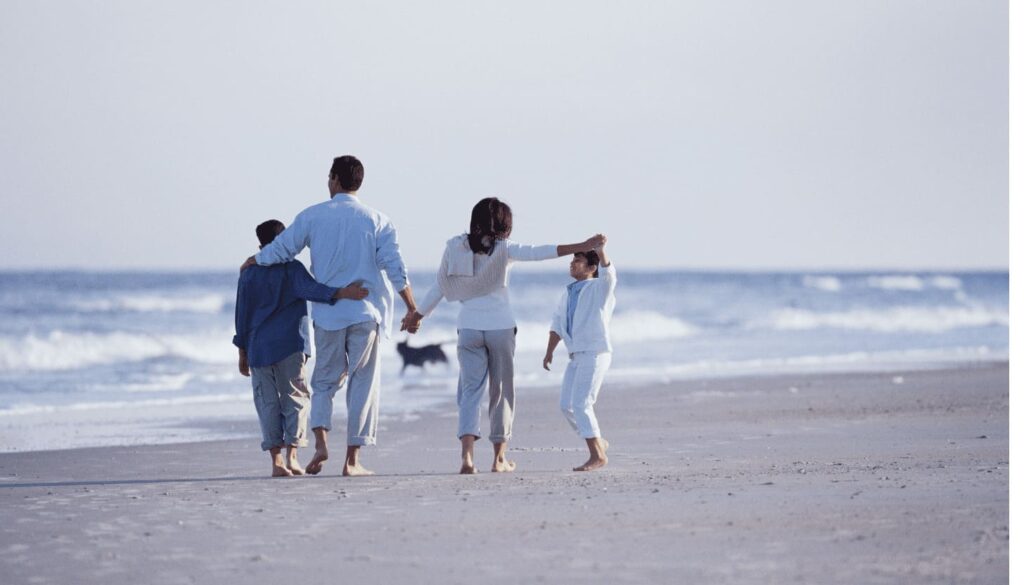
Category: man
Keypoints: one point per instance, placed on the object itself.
(271, 336)
(348, 242)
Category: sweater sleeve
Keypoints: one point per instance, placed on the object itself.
(389, 257)
(431, 300)
(523, 253)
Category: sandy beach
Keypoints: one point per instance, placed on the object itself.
(895, 477)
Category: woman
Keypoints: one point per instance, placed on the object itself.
(474, 271)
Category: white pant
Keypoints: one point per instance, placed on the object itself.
(582, 382)
(348, 355)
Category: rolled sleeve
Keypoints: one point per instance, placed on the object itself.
(389, 257)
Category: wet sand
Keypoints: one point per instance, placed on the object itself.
(831, 478)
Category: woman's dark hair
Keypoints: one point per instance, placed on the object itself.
(491, 221)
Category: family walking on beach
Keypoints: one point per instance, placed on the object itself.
(356, 267)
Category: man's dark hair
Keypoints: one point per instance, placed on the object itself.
(490, 221)
(268, 230)
(348, 171)
(592, 260)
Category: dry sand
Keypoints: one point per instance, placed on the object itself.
(853, 478)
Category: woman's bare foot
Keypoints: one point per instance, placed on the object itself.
(280, 471)
(352, 466)
(503, 465)
(316, 464)
(592, 464)
(467, 468)
(355, 470)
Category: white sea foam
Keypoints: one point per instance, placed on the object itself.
(151, 303)
(896, 319)
(59, 350)
(945, 282)
(904, 282)
(825, 283)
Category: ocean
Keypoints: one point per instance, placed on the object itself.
(100, 359)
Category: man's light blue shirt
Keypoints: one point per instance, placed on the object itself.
(348, 242)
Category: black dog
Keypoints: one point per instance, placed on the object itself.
(418, 356)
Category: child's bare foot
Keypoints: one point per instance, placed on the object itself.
(355, 470)
(316, 464)
(592, 464)
(503, 465)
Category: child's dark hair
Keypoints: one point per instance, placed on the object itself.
(592, 260)
(268, 230)
(490, 221)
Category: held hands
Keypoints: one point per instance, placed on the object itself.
(596, 241)
(353, 291)
(411, 321)
(547, 360)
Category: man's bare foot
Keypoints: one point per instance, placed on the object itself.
(592, 464)
(467, 469)
(280, 471)
(316, 464)
(503, 465)
(355, 470)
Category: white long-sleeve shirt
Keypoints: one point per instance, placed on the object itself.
(348, 242)
(593, 315)
(492, 310)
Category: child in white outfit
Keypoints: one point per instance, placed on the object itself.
(582, 321)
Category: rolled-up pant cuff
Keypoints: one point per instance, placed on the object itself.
(362, 441)
(499, 439)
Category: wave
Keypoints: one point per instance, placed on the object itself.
(897, 319)
(206, 303)
(825, 283)
(910, 282)
(59, 350)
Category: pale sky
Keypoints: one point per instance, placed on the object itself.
(713, 134)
